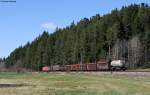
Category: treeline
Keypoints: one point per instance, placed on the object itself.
(89, 40)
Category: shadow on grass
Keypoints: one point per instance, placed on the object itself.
(12, 85)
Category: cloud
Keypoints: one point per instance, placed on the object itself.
(49, 25)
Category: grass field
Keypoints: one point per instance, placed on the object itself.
(72, 84)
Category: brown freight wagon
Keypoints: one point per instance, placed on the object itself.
(102, 65)
(67, 68)
(62, 68)
(91, 67)
(56, 68)
(75, 67)
(83, 67)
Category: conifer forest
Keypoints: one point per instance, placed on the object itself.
(122, 34)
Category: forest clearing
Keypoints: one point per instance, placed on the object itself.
(75, 47)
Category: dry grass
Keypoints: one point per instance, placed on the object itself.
(72, 84)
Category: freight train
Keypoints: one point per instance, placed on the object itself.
(102, 65)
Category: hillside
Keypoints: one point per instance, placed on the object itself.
(125, 32)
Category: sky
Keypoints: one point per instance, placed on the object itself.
(24, 20)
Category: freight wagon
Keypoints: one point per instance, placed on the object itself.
(99, 66)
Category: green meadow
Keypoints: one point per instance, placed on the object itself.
(72, 84)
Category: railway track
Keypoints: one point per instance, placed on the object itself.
(124, 73)
(101, 71)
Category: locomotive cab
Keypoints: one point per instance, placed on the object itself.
(117, 65)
